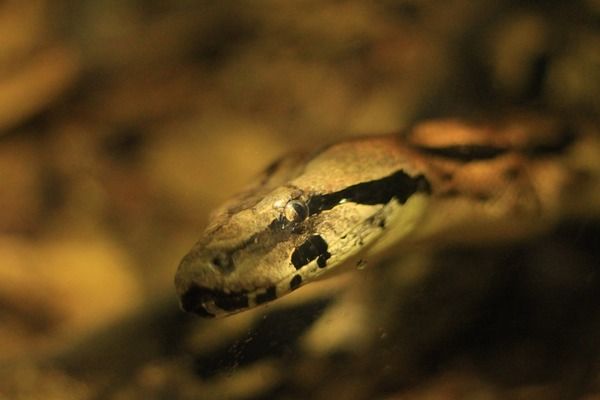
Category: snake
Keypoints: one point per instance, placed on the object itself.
(311, 215)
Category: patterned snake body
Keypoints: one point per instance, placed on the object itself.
(444, 181)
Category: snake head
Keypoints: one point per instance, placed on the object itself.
(306, 216)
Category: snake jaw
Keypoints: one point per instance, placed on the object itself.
(212, 281)
(211, 303)
(216, 302)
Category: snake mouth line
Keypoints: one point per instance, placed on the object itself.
(209, 302)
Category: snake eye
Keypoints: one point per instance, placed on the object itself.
(295, 211)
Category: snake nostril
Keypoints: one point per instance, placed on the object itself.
(217, 262)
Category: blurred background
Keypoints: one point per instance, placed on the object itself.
(123, 123)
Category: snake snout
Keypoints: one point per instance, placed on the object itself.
(201, 283)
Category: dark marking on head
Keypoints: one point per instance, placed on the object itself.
(194, 298)
(312, 248)
(464, 153)
(269, 295)
(295, 282)
(381, 223)
(277, 231)
(322, 259)
(398, 185)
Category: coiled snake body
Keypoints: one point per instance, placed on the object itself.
(443, 181)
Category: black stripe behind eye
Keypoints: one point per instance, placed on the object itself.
(477, 152)
(399, 185)
(464, 153)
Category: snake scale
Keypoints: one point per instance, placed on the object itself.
(440, 182)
